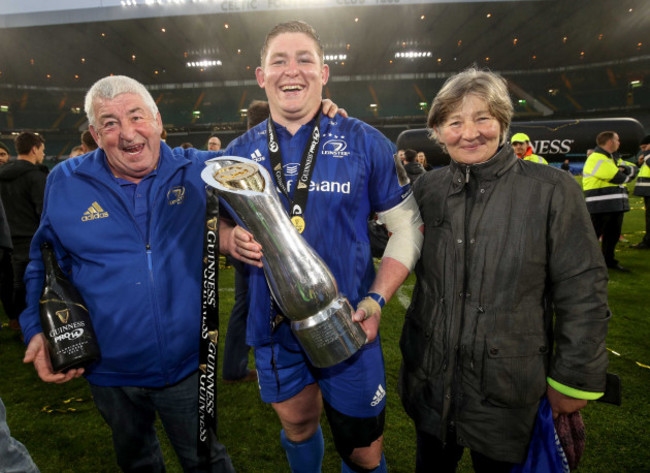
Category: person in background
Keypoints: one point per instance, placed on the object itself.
(22, 184)
(76, 151)
(642, 189)
(258, 111)
(413, 168)
(14, 457)
(401, 155)
(421, 158)
(5, 154)
(187, 145)
(521, 144)
(6, 271)
(510, 301)
(88, 143)
(214, 143)
(603, 180)
(292, 73)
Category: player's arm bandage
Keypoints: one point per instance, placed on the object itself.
(403, 222)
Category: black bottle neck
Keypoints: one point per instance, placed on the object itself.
(50, 265)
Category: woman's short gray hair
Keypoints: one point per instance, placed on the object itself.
(112, 86)
(488, 86)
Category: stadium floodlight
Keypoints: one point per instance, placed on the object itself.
(413, 55)
(336, 57)
(205, 63)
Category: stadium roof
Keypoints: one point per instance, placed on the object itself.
(72, 43)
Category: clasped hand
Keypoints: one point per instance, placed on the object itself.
(368, 315)
(38, 354)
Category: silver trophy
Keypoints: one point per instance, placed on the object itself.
(301, 283)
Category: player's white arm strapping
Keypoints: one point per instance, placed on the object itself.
(403, 223)
(405, 227)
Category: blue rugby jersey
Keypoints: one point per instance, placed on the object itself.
(354, 175)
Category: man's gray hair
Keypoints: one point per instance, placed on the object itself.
(112, 86)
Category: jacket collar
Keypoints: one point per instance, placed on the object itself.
(491, 169)
(600, 150)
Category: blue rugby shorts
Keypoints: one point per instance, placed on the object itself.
(355, 387)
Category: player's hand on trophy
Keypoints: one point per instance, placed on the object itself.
(241, 245)
(368, 315)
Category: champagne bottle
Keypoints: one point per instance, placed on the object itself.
(65, 320)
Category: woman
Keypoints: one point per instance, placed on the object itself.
(421, 158)
(507, 242)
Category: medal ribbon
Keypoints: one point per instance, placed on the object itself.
(298, 204)
(207, 427)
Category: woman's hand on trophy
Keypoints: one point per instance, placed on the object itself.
(368, 315)
(241, 245)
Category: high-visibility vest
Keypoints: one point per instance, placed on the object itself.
(534, 158)
(642, 185)
(601, 195)
(530, 156)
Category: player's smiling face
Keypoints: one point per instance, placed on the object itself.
(293, 77)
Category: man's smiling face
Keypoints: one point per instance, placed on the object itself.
(129, 134)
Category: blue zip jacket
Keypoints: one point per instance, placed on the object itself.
(142, 291)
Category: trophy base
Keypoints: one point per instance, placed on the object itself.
(330, 336)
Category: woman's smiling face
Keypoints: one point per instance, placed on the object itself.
(470, 133)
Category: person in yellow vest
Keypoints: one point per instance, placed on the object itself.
(642, 188)
(521, 144)
(604, 177)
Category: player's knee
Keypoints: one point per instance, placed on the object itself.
(350, 433)
(372, 467)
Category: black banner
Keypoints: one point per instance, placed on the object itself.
(209, 327)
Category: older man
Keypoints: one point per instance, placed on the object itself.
(125, 223)
(351, 174)
(214, 143)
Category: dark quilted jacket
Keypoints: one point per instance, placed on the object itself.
(508, 244)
